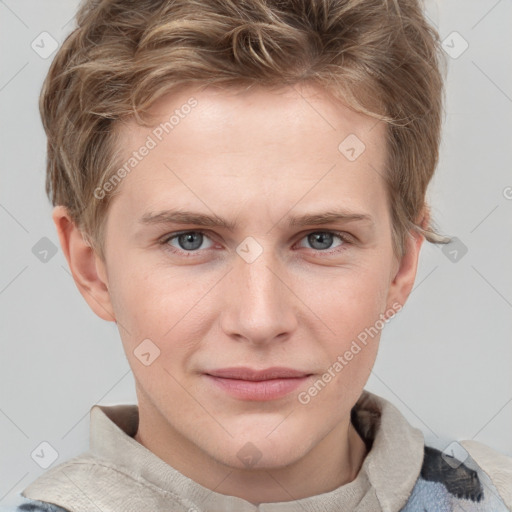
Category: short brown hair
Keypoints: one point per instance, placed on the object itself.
(381, 57)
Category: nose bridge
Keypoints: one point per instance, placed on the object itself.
(259, 305)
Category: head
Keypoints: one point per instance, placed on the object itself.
(264, 119)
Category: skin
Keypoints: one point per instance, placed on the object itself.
(255, 158)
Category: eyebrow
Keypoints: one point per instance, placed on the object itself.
(200, 219)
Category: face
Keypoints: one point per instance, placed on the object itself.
(251, 235)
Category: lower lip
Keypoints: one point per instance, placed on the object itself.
(258, 390)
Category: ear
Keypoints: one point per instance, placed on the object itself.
(87, 268)
(405, 269)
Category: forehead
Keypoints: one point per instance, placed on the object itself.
(300, 110)
(255, 145)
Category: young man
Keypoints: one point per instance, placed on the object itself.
(240, 186)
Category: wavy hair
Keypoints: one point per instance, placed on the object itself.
(380, 57)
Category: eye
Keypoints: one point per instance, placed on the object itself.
(188, 241)
(323, 240)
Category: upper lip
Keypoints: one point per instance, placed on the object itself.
(243, 373)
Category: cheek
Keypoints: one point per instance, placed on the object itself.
(161, 305)
(145, 292)
(352, 312)
(140, 304)
(156, 325)
(353, 300)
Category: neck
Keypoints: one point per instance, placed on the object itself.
(333, 462)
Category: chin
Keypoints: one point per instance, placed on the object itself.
(249, 457)
(263, 448)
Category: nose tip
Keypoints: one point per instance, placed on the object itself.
(258, 305)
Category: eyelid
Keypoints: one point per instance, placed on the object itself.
(169, 236)
(345, 237)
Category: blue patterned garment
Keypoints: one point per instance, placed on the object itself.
(39, 506)
(445, 484)
(26, 505)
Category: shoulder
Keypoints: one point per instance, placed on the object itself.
(496, 465)
(22, 504)
(465, 475)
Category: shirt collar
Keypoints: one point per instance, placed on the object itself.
(386, 478)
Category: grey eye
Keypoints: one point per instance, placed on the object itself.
(188, 242)
(321, 240)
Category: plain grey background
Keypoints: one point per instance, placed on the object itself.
(445, 361)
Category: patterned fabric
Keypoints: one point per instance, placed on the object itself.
(22, 504)
(444, 485)
(402, 471)
(39, 506)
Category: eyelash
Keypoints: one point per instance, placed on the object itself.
(344, 237)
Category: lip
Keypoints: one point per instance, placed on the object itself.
(244, 373)
(258, 385)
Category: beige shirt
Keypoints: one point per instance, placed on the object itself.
(119, 474)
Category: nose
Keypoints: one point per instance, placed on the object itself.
(259, 304)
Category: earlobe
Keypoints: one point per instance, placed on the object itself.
(87, 269)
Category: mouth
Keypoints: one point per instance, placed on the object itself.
(257, 385)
